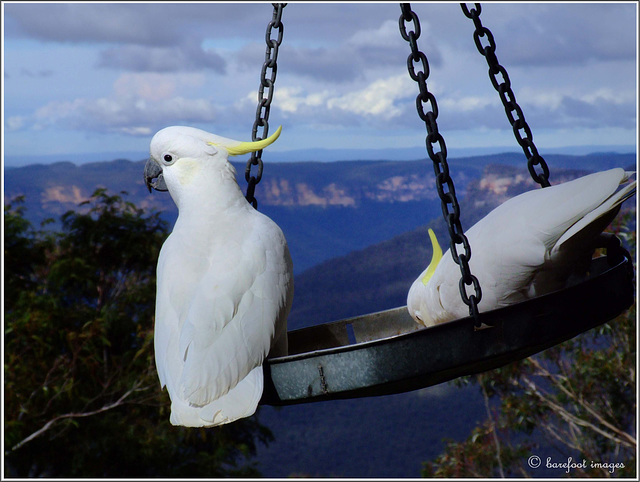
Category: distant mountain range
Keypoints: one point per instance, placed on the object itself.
(324, 209)
(323, 155)
(357, 231)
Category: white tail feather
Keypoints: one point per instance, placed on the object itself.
(241, 401)
(604, 212)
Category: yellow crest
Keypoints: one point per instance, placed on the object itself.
(246, 147)
(435, 257)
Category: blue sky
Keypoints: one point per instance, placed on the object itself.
(104, 77)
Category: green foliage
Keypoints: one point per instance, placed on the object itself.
(82, 398)
(576, 399)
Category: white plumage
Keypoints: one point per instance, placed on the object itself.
(528, 246)
(224, 281)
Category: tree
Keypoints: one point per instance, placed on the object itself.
(82, 398)
(576, 400)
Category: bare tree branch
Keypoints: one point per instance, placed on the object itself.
(572, 419)
(586, 405)
(102, 409)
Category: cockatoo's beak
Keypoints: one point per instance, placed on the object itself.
(153, 176)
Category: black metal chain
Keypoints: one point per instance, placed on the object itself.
(508, 98)
(264, 101)
(449, 203)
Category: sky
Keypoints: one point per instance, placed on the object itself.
(85, 79)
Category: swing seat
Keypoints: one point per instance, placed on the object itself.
(387, 352)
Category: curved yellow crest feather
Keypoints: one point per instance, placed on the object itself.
(246, 147)
(435, 257)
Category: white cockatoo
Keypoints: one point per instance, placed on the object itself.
(526, 247)
(224, 281)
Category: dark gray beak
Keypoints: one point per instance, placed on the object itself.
(153, 176)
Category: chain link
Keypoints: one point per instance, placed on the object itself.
(267, 81)
(508, 98)
(444, 183)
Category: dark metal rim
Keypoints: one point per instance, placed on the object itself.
(371, 363)
(624, 269)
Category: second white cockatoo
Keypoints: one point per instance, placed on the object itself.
(224, 281)
(528, 246)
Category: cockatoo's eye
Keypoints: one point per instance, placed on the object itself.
(168, 159)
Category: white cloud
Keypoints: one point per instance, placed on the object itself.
(552, 98)
(291, 100)
(589, 108)
(378, 98)
(607, 95)
(135, 131)
(465, 104)
(139, 103)
(127, 115)
(15, 123)
(382, 99)
(381, 36)
(546, 99)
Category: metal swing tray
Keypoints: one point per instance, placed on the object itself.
(386, 352)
